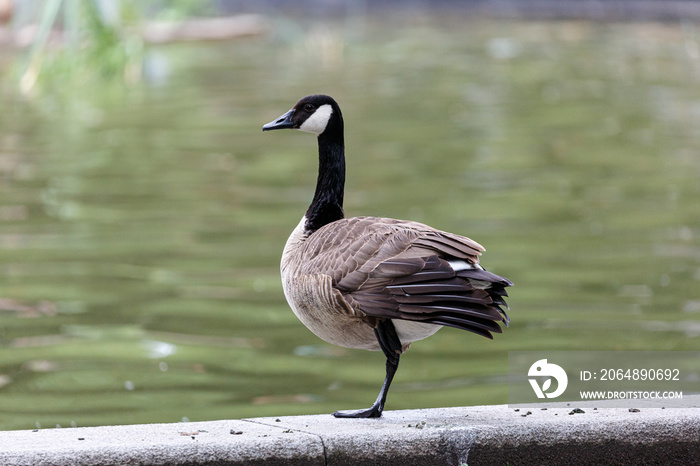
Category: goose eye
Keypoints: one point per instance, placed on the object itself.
(309, 107)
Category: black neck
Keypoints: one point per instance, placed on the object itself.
(327, 205)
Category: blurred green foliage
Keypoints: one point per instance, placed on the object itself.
(99, 42)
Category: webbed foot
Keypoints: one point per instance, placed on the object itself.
(372, 412)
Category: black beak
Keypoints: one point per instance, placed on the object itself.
(285, 121)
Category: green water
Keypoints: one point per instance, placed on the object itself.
(141, 226)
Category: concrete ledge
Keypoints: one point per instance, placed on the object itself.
(474, 435)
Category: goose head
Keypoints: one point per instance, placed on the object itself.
(317, 114)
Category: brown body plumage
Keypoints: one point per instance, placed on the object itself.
(351, 272)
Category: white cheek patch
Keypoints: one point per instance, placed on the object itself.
(318, 121)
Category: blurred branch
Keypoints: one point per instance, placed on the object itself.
(204, 29)
(30, 74)
(153, 32)
(71, 15)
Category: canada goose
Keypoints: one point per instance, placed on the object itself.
(377, 283)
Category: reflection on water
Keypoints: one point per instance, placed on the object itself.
(141, 228)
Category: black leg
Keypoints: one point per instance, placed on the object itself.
(391, 346)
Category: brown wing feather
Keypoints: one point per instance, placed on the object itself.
(395, 269)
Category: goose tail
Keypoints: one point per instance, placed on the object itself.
(453, 293)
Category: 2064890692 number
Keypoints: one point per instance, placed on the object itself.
(639, 374)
